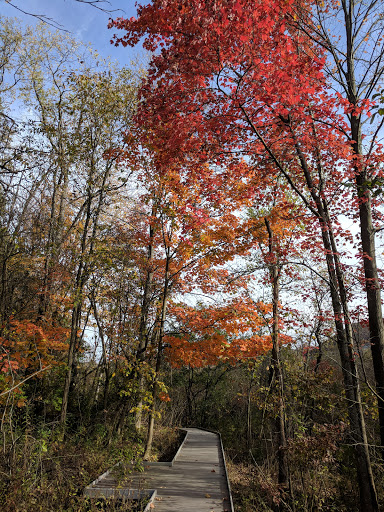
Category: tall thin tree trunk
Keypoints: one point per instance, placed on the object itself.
(358, 77)
(274, 271)
(249, 416)
(55, 235)
(143, 329)
(105, 365)
(152, 412)
(75, 324)
(372, 284)
(368, 496)
(367, 232)
(76, 314)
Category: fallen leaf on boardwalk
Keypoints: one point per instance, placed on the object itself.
(213, 471)
(158, 498)
(207, 495)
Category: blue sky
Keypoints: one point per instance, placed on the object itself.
(83, 21)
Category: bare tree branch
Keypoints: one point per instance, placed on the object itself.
(101, 5)
(25, 380)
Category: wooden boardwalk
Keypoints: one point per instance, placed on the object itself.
(196, 482)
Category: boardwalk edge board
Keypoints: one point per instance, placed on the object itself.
(154, 464)
(125, 494)
(181, 444)
(101, 477)
(95, 492)
(226, 474)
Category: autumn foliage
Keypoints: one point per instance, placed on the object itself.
(210, 335)
(173, 248)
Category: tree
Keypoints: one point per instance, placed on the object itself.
(241, 83)
(277, 234)
(355, 70)
(74, 139)
(99, 125)
(191, 233)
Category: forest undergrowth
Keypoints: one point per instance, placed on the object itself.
(43, 471)
(46, 473)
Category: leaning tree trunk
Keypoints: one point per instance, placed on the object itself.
(372, 284)
(368, 496)
(352, 14)
(358, 74)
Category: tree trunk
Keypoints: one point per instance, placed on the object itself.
(274, 271)
(368, 496)
(372, 284)
(75, 324)
(54, 237)
(367, 232)
(81, 277)
(152, 412)
(105, 365)
(83, 270)
(143, 329)
(358, 75)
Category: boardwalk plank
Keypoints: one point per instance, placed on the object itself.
(196, 482)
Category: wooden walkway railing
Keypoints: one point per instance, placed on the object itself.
(195, 481)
